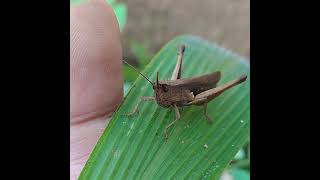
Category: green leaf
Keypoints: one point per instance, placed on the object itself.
(110, 1)
(239, 174)
(129, 74)
(126, 87)
(134, 147)
(140, 52)
(120, 10)
(240, 155)
(76, 2)
(244, 164)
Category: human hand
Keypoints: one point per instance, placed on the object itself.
(95, 77)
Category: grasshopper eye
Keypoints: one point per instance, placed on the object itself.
(165, 88)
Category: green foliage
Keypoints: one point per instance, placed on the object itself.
(76, 2)
(142, 56)
(140, 52)
(134, 147)
(240, 155)
(120, 10)
(239, 174)
(129, 74)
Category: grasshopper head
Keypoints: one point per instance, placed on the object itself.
(161, 92)
(158, 87)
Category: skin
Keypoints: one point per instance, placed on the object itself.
(95, 77)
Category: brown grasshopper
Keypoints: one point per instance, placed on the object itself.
(179, 92)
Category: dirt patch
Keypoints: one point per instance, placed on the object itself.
(153, 23)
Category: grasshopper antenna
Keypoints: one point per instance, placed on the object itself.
(137, 71)
(157, 82)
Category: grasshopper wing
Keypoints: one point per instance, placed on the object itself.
(197, 84)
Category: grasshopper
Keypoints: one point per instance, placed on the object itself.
(179, 92)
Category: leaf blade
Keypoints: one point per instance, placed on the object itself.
(183, 155)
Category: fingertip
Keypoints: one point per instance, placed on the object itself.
(95, 60)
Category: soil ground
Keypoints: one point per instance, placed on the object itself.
(153, 23)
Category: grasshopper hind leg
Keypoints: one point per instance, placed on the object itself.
(177, 70)
(206, 114)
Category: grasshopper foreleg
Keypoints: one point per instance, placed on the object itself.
(143, 98)
(169, 125)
